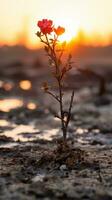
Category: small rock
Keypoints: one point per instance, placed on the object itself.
(63, 167)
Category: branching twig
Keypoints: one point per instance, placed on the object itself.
(53, 95)
(70, 107)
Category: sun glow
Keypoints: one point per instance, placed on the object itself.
(73, 15)
(71, 28)
(68, 35)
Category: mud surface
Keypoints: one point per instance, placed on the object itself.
(31, 166)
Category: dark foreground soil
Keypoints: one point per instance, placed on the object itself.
(34, 168)
(23, 177)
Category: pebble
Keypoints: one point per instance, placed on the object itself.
(63, 167)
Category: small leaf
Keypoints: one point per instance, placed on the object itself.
(38, 34)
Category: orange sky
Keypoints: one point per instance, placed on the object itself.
(18, 19)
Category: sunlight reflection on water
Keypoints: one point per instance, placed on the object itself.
(81, 131)
(7, 86)
(16, 133)
(9, 145)
(48, 134)
(25, 85)
(25, 133)
(7, 104)
(31, 106)
(4, 122)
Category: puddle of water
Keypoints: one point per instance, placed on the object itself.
(84, 136)
(31, 106)
(7, 104)
(81, 131)
(9, 145)
(82, 141)
(26, 133)
(48, 134)
(96, 137)
(17, 132)
(7, 86)
(96, 131)
(4, 122)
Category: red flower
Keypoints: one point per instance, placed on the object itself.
(46, 26)
(59, 31)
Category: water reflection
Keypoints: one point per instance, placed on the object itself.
(81, 131)
(7, 104)
(1, 84)
(18, 133)
(31, 106)
(7, 86)
(81, 140)
(49, 134)
(9, 145)
(25, 85)
(95, 139)
(4, 122)
(27, 133)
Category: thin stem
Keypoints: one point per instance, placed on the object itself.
(53, 54)
(53, 95)
(60, 92)
(61, 111)
(60, 88)
(61, 54)
(70, 108)
(59, 77)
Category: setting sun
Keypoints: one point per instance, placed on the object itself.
(70, 32)
(73, 15)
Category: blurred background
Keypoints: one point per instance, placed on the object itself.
(23, 64)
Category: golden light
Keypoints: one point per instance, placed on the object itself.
(7, 86)
(1, 84)
(3, 122)
(31, 106)
(7, 104)
(25, 85)
(68, 35)
(73, 15)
